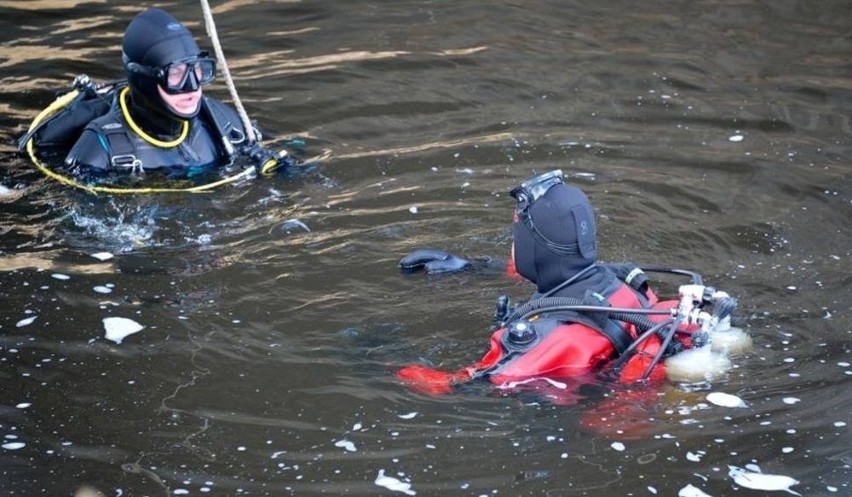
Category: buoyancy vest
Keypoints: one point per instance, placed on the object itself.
(565, 344)
(107, 143)
(92, 127)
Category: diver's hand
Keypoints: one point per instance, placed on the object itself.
(267, 161)
(434, 261)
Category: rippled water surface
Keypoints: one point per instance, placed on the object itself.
(711, 135)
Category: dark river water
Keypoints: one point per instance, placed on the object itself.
(710, 135)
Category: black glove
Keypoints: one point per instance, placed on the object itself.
(267, 161)
(435, 261)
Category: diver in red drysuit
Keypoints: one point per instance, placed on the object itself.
(585, 318)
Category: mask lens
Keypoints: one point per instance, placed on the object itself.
(176, 75)
(188, 75)
(205, 71)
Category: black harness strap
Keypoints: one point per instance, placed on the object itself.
(224, 128)
(613, 330)
(122, 149)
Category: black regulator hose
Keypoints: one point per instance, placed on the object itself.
(637, 317)
(636, 343)
(663, 347)
(697, 279)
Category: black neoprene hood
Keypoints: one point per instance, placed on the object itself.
(563, 216)
(154, 38)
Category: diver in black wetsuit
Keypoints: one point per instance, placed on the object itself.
(161, 119)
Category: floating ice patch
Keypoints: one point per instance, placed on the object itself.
(394, 484)
(60, 276)
(24, 405)
(413, 209)
(117, 329)
(103, 256)
(736, 138)
(102, 289)
(410, 415)
(617, 446)
(690, 491)
(26, 321)
(346, 444)
(13, 445)
(725, 400)
(791, 400)
(760, 481)
(695, 456)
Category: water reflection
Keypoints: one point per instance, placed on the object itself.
(710, 135)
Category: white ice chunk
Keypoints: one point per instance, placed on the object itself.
(346, 444)
(725, 400)
(117, 329)
(410, 415)
(26, 321)
(394, 484)
(690, 491)
(103, 256)
(760, 481)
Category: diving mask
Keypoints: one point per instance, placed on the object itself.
(180, 76)
(528, 192)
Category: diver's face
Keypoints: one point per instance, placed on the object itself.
(182, 104)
